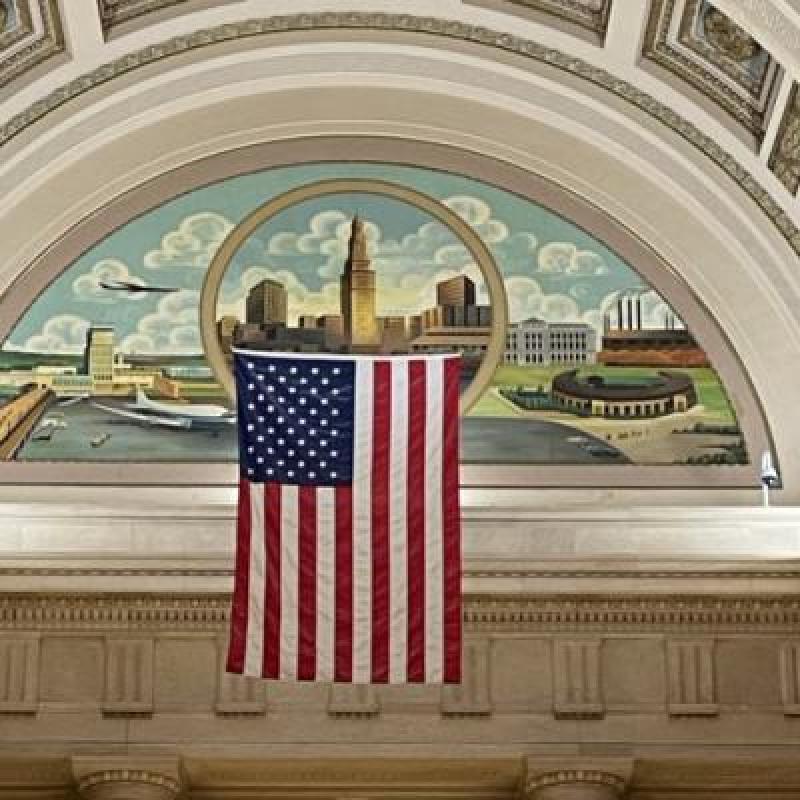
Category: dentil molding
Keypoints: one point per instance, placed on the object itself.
(555, 614)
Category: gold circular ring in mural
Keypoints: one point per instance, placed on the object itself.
(238, 236)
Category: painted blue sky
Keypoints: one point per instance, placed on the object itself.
(552, 269)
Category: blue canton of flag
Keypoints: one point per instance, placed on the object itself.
(296, 419)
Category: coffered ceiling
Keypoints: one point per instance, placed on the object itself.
(30, 34)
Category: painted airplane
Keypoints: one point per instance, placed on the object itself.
(128, 286)
(173, 415)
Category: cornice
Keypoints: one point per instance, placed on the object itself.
(482, 614)
(431, 26)
(786, 573)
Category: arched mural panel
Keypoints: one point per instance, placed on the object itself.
(595, 368)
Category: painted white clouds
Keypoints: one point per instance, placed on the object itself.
(554, 281)
(478, 215)
(64, 333)
(409, 267)
(87, 286)
(526, 298)
(172, 328)
(192, 244)
(565, 258)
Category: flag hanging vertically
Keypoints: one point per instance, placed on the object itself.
(348, 562)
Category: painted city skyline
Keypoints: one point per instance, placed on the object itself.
(595, 366)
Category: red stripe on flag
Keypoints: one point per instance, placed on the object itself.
(451, 524)
(241, 589)
(381, 452)
(343, 668)
(415, 523)
(272, 591)
(307, 584)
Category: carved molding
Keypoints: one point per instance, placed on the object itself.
(129, 676)
(237, 695)
(790, 678)
(589, 614)
(117, 783)
(36, 37)
(420, 25)
(577, 679)
(589, 14)
(784, 160)
(133, 776)
(691, 685)
(353, 700)
(718, 74)
(511, 573)
(114, 13)
(545, 776)
(207, 612)
(19, 673)
(471, 697)
(765, 14)
(571, 776)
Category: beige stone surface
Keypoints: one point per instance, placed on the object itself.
(636, 638)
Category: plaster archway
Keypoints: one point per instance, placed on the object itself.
(693, 219)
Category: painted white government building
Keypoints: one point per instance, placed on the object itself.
(534, 342)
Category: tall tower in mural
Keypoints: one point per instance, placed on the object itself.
(361, 329)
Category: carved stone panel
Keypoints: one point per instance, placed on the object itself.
(237, 694)
(353, 700)
(697, 42)
(19, 673)
(30, 33)
(577, 690)
(690, 667)
(790, 678)
(129, 676)
(471, 697)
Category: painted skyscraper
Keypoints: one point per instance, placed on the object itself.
(267, 302)
(361, 328)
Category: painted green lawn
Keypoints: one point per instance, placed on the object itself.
(490, 405)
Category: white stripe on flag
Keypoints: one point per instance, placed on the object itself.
(398, 477)
(326, 581)
(254, 647)
(434, 562)
(289, 562)
(362, 523)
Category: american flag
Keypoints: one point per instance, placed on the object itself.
(348, 559)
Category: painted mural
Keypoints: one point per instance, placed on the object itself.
(594, 367)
